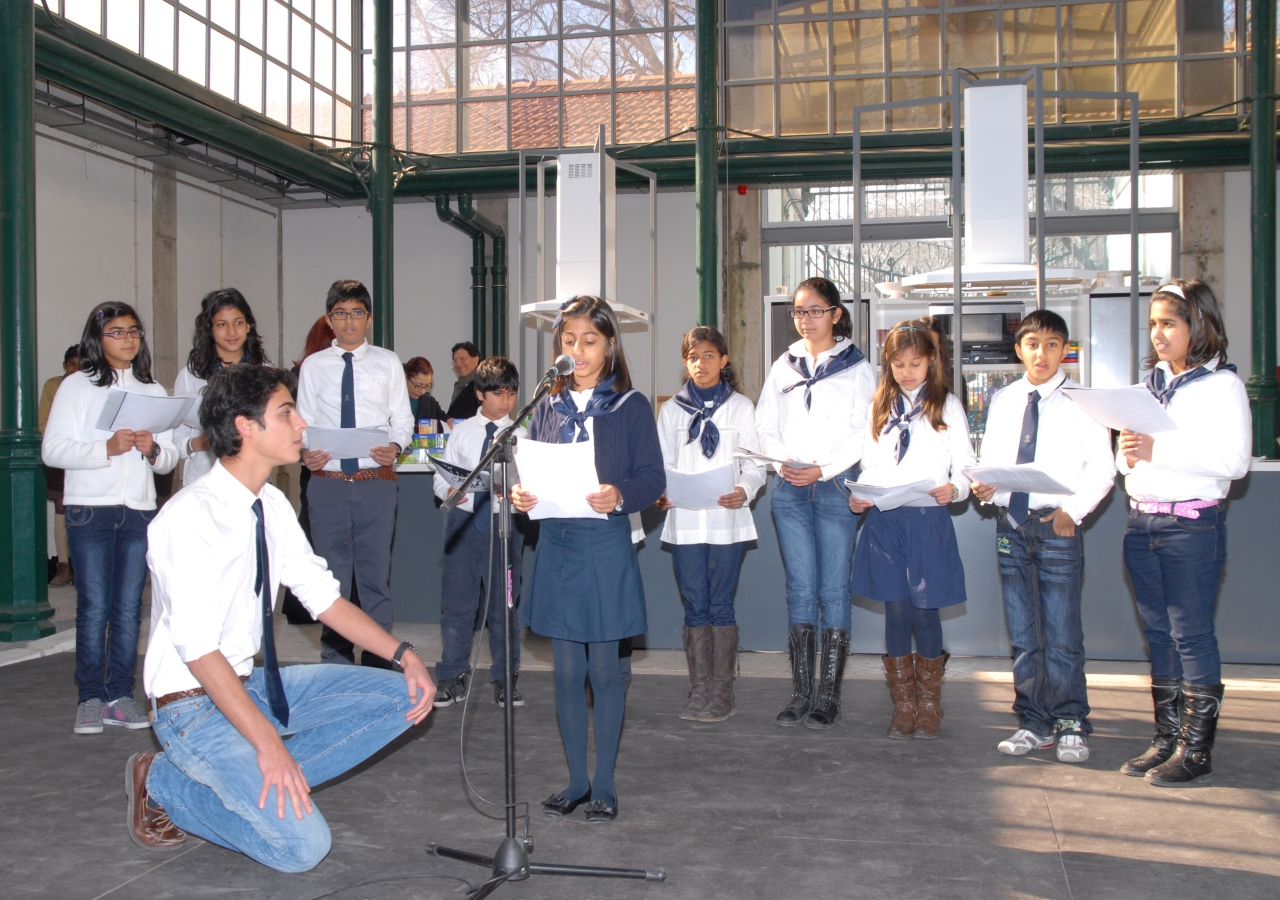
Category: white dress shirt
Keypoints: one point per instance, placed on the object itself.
(829, 432)
(202, 551)
(1209, 449)
(463, 449)
(382, 394)
(736, 419)
(936, 456)
(199, 462)
(74, 443)
(1073, 448)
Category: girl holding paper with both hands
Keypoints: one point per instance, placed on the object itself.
(586, 593)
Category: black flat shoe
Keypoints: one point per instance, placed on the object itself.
(556, 805)
(599, 811)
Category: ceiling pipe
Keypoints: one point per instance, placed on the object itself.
(467, 212)
(449, 217)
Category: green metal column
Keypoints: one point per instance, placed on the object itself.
(24, 577)
(382, 182)
(706, 246)
(1262, 385)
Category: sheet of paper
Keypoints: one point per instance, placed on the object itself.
(887, 498)
(699, 490)
(560, 476)
(1124, 409)
(192, 418)
(454, 475)
(346, 443)
(1017, 478)
(141, 412)
(742, 453)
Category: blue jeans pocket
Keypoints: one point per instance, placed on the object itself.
(79, 515)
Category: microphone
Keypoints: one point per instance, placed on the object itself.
(562, 366)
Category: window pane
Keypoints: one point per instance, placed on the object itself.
(535, 69)
(486, 67)
(366, 78)
(683, 12)
(484, 126)
(748, 10)
(1089, 78)
(585, 17)
(802, 49)
(250, 79)
(1088, 32)
(583, 116)
(399, 25)
(84, 12)
(324, 14)
(859, 92)
(1208, 26)
(432, 75)
(301, 61)
(277, 93)
(342, 122)
(157, 38)
(366, 30)
(971, 39)
(858, 46)
(222, 64)
(535, 123)
(251, 22)
(399, 127)
(641, 117)
(637, 15)
(301, 6)
(345, 11)
(300, 105)
(324, 60)
(1208, 83)
(1030, 36)
(750, 52)
(802, 7)
(803, 108)
(122, 22)
(751, 109)
(640, 58)
(842, 6)
(586, 63)
(343, 66)
(683, 57)
(916, 118)
(1157, 87)
(1150, 28)
(433, 22)
(433, 129)
(534, 18)
(191, 35)
(399, 76)
(914, 43)
(486, 20)
(223, 14)
(277, 31)
(1050, 84)
(324, 114)
(681, 112)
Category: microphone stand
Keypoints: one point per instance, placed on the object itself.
(511, 861)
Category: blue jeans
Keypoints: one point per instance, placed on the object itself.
(1175, 564)
(816, 533)
(207, 777)
(109, 553)
(1040, 573)
(707, 575)
(464, 583)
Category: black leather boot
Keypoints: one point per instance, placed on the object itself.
(1192, 758)
(1167, 694)
(801, 644)
(826, 706)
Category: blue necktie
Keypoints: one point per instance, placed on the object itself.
(1020, 501)
(481, 517)
(270, 665)
(349, 466)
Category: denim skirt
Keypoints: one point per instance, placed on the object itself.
(909, 553)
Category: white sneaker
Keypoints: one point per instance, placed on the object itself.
(1073, 747)
(1023, 742)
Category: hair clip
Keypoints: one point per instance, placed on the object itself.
(559, 319)
(1171, 289)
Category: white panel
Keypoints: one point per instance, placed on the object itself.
(578, 226)
(995, 182)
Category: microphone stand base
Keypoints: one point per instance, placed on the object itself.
(511, 863)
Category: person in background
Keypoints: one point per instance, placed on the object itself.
(53, 477)
(421, 378)
(225, 334)
(463, 404)
(110, 497)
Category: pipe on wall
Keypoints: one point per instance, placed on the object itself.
(498, 307)
(449, 217)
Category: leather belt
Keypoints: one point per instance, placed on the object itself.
(164, 701)
(381, 473)
(1186, 509)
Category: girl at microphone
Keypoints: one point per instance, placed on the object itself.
(585, 593)
(907, 557)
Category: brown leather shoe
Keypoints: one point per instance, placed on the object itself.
(63, 576)
(149, 824)
(901, 672)
(929, 694)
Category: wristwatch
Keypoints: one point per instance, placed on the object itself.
(399, 654)
(618, 508)
(154, 454)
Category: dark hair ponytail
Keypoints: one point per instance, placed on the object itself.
(93, 361)
(715, 339)
(203, 360)
(830, 294)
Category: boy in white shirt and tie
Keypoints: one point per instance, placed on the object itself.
(1038, 541)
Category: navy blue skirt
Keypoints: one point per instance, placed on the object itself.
(909, 553)
(586, 583)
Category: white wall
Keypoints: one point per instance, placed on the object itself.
(1237, 242)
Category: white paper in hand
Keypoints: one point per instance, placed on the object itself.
(560, 476)
(1026, 478)
(887, 498)
(1124, 409)
(125, 410)
(699, 490)
(346, 443)
(742, 453)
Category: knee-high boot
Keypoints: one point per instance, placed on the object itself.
(802, 644)
(697, 651)
(1166, 693)
(1193, 757)
(724, 666)
(929, 674)
(826, 705)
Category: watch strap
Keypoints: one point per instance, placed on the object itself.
(399, 654)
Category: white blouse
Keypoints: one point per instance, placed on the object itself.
(937, 456)
(200, 462)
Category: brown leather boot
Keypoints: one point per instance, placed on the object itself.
(929, 694)
(901, 672)
(62, 577)
(149, 824)
(724, 666)
(698, 653)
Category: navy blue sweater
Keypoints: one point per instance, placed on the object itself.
(628, 455)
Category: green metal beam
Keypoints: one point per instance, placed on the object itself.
(706, 172)
(24, 580)
(382, 181)
(1262, 386)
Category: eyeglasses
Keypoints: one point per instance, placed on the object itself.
(120, 334)
(419, 386)
(811, 313)
(341, 315)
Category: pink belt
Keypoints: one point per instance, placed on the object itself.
(1187, 509)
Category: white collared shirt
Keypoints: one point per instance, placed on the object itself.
(937, 456)
(1073, 448)
(72, 441)
(382, 394)
(830, 432)
(1210, 448)
(202, 551)
(736, 420)
(463, 449)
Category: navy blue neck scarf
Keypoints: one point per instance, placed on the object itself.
(1155, 381)
(702, 405)
(573, 424)
(901, 419)
(833, 365)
